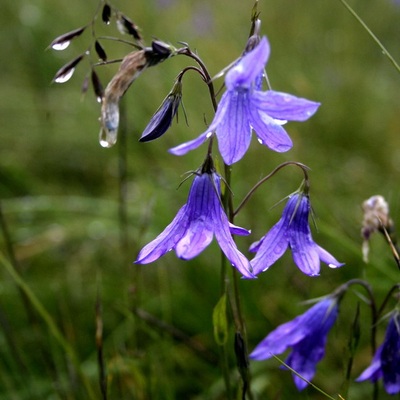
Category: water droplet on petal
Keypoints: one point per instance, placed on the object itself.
(107, 138)
(65, 77)
(280, 121)
(61, 46)
(260, 141)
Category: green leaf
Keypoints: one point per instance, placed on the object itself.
(220, 321)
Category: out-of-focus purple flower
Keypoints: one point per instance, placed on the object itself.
(292, 230)
(195, 225)
(244, 107)
(306, 335)
(162, 119)
(386, 361)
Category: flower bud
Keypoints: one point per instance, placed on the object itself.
(162, 119)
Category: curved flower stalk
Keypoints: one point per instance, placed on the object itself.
(386, 361)
(244, 107)
(195, 225)
(292, 230)
(306, 335)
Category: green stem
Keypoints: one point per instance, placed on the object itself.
(370, 33)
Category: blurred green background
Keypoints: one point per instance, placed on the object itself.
(75, 240)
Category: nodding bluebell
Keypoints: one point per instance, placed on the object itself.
(131, 67)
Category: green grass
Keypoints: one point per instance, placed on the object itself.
(59, 193)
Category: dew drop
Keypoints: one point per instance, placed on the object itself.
(107, 138)
(61, 46)
(280, 121)
(65, 77)
(260, 141)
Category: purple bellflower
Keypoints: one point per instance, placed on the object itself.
(196, 223)
(244, 106)
(292, 230)
(386, 361)
(306, 335)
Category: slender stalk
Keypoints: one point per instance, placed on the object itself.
(14, 262)
(263, 180)
(370, 33)
(122, 187)
(99, 344)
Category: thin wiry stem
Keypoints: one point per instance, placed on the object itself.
(370, 33)
(271, 174)
(99, 345)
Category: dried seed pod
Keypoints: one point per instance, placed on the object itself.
(131, 67)
(97, 86)
(106, 14)
(100, 51)
(65, 72)
(126, 25)
(62, 42)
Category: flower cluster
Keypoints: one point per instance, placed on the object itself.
(243, 107)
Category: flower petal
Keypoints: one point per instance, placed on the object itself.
(285, 106)
(390, 356)
(273, 245)
(293, 332)
(228, 246)
(305, 255)
(196, 238)
(247, 69)
(280, 339)
(269, 132)
(166, 240)
(191, 145)
(327, 258)
(234, 131)
(237, 230)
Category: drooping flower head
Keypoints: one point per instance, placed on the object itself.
(386, 361)
(244, 106)
(293, 231)
(306, 335)
(195, 225)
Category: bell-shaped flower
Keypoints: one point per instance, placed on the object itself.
(244, 107)
(195, 225)
(292, 230)
(163, 117)
(306, 336)
(386, 361)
